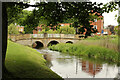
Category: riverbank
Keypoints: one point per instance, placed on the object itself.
(25, 62)
(91, 51)
(107, 41)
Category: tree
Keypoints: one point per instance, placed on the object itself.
(76, 25)
(116, 29)
(28, 30)
(66, 30)
(111, 28)
(9, 10)
(12, 29)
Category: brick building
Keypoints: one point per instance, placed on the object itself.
(91, 68)
(98, 24)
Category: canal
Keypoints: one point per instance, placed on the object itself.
(68, 66)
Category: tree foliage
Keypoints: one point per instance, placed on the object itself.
(79, 12)
(57, 12)
(12, 29)
(13, 11)
(111, 29)
(66, 30)
(60, 30)
(116, 29)
(22, 17)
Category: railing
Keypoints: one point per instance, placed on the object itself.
(31, 36)
(53, 35)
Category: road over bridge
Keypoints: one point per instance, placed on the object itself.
(44, 40)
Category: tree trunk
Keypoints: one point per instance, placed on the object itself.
(4, 37)
(76, 31)
(86, 35)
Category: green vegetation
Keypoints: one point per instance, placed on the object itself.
(60, 30)
(107, 41)
(109, 38)
(102, 37)
(25, 62)
(66, 30)
(91, 51)
(116, 29)
(12, 29)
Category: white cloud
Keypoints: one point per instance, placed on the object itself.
(109, 18)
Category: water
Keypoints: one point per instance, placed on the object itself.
(68, 66)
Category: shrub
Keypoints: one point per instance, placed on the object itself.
(67, 30)
(61, 30)
(12, 29)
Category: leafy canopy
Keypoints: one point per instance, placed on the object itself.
(58, 12)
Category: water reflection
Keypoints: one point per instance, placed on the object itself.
(68, 66)
(91, 68)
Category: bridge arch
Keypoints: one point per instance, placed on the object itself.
(69, 42)
(37, 44)
(52, 42)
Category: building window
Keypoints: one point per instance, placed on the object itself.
(95, 26)
(62, 24)
(95, 20)
(39, 30)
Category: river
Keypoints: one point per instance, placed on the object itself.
(68, 66)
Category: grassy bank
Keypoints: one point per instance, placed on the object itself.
(108, 41)
(25, 62)
(91, 51)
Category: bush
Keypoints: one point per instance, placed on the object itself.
(67, 30)
(12, 29)
(61, 30)
(52, 32)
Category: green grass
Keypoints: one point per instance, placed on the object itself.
(90, 51)
(102, 37)
(109, 38)
(25, 62)
(108, 41)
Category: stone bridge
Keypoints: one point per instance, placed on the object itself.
(44, 40)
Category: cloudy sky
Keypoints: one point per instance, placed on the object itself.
(109, 18)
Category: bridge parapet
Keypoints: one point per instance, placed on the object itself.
(31, 36)
(19, 37)
(53, 36)
(44, 39)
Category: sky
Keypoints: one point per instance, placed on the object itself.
(109, 18)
